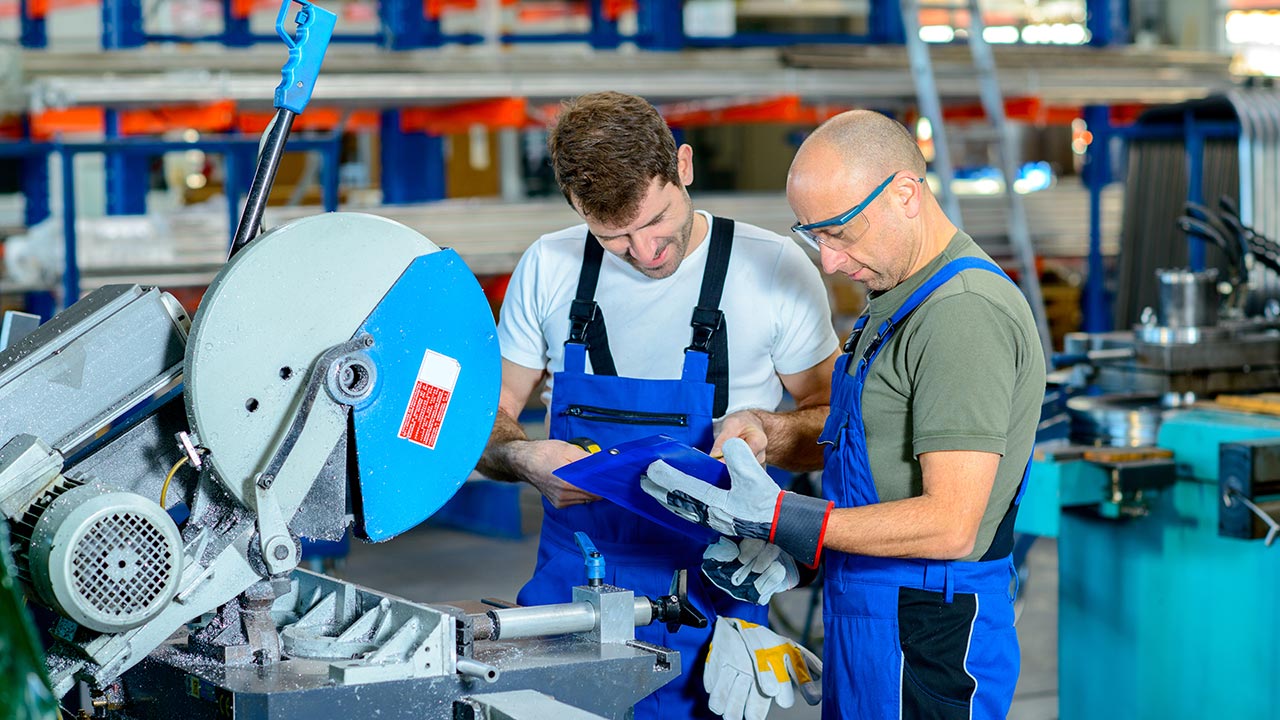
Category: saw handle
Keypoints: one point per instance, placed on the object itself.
(298, 79)
(307, 47)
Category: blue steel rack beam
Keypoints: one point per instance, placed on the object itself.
(128, 177)
(406, 27)
(412, 163)
(1108, 22)
(122, 24)
(604, 33)
(1108, 25)
(1096, 174)
(33, 32)
(235, 30)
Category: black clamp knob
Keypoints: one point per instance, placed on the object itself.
(674, 608)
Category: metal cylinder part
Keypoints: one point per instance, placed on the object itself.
(1187, 298)
(477, 669)
(542, 620)
(1118, 420)
(108, 560)
(548, 620)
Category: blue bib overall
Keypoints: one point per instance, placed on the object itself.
(640, 555)
(909, 638)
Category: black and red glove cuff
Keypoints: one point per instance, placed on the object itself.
(799, 526)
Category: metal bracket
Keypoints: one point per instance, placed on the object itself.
(279, 552)
(319, 378)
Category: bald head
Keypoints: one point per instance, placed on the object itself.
(859, 144)
(898, 226)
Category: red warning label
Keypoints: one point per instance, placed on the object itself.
(429, 400)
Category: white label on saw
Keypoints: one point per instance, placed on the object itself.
(430, 399)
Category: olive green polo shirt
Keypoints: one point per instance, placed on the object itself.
(965, 371)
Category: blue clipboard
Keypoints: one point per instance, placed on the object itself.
(614, 475)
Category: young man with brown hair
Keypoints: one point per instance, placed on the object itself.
(704, 317)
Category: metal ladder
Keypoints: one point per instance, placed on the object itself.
(993, 104)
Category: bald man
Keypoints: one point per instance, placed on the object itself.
(927, 441)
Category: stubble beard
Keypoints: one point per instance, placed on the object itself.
(679, 248)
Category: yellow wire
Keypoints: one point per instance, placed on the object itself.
(164, 489)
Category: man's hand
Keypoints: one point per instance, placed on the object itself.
(750, 570)
(753, 506)
(539, 459)
(743, 424)
(750, 667)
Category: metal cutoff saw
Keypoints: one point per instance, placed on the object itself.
(342, 373)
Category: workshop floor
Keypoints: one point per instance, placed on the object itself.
(433, 564)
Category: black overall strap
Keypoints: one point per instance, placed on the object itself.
(710, 335)
(586, 320)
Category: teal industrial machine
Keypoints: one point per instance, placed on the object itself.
(1162, 502)
(1164, 489)
(1167, 587)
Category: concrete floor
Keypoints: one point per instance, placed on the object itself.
(434, 564)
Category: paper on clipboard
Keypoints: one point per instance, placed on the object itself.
(614, 475)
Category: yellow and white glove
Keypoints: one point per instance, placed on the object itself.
(750, 667)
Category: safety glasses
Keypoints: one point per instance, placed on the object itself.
(853, 220)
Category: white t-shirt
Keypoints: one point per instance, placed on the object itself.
(775, 306)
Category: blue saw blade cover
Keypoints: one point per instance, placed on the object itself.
(438, 368)
(614, 475)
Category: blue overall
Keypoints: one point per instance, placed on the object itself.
(910, 638)
(640, 555)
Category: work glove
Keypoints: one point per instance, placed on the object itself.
(750, 667)
(750, 570)
(752, 507)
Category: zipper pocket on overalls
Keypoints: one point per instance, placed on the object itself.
(626, 417)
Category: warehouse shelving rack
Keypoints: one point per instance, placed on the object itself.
(414, 91)
(415, 24)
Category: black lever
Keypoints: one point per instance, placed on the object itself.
(1205, 215)
(1228, 206)
(1205, 231)
(674, 608)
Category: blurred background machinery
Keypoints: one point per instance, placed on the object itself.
(1162, 489)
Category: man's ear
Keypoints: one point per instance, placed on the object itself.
(910, 193)
(684, 164)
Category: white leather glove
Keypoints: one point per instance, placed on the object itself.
(751, 570)
(750, 667)
(752, 507)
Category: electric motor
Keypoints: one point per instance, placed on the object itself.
(108, 560)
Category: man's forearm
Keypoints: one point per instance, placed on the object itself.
(918, 527)
(499, 461)
(793, 437)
